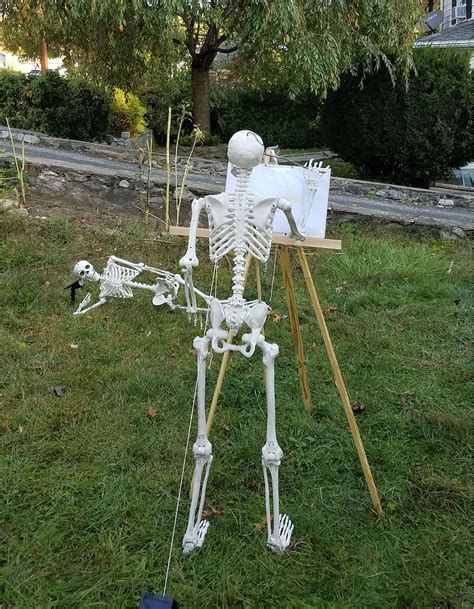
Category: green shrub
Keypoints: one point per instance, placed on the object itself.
(128, 114)
(56, 106)
(273, 115)
(13, 102)
(166, 93)
(410, 135)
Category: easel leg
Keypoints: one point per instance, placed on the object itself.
(340, 382)
(295, 326)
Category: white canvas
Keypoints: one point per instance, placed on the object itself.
(290, 183)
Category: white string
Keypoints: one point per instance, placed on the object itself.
(181, 481)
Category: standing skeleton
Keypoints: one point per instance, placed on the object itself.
(242, 223)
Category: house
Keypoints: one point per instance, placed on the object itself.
(459, 36)
(455, 12)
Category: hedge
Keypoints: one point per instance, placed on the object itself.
(54, 105)
(290, 123)
(411, 135)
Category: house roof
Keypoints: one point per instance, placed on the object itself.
(461, 35)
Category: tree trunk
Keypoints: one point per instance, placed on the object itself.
(200, 86)
(43, 56)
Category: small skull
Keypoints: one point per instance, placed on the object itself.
(84, 271)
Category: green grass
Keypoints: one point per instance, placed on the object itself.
(7, 179)
(90, 480)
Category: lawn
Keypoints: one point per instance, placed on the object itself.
(90, 476)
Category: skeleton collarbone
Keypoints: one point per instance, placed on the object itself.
(240, 221)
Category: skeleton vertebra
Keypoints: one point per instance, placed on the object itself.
(118, 281)
(242, 223)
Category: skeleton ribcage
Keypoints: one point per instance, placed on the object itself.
(238, 230)
(113, 281)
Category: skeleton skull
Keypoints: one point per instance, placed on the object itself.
(245, 149)
(84, 271)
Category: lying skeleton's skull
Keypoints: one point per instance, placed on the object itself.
(85, 271)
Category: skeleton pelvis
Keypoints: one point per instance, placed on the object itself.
(236, 314)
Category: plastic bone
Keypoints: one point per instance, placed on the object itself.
(240, 223)
(117, 280)
(312, 176)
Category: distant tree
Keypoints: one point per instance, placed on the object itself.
(410, 135)
(301, 44)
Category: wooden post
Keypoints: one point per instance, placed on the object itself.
(295, 326)
(340, 382)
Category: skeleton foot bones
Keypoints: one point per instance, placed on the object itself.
(240, 223)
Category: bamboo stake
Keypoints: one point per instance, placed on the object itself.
(340, 382)
(295, 326)
(258, 280)
(168, 173)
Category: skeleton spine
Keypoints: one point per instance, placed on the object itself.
(241, 187)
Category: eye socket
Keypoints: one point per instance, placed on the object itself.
(88, 266)
(81, 273)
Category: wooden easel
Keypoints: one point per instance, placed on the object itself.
(283, 242)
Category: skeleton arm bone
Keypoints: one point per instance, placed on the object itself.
(285, 207)
(83, 308)
(190, 258)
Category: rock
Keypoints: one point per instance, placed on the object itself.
(188, 196)
(125, 135)
(124, 184)
(109, 139)
(53, 181)
(21, 212)
(458, 231)
(4, 135)
(393, 194)
(8, 203)
(444, 234)
(76, 177)
(380, 193)
(31, 139)
(445, 202)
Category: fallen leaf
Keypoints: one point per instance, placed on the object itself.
(192, 351)
(59, 390)
(151, 412)
(172, 354)
(212, 511)
(226, 428)
(252, 485)
(358, 407)
(276, 317)
(20, 429)
(97, 249)
(46, 284)
(331, 310)
(261, 524)
(73, 346)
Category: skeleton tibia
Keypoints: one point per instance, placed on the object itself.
(279, 527)
(202, 450)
